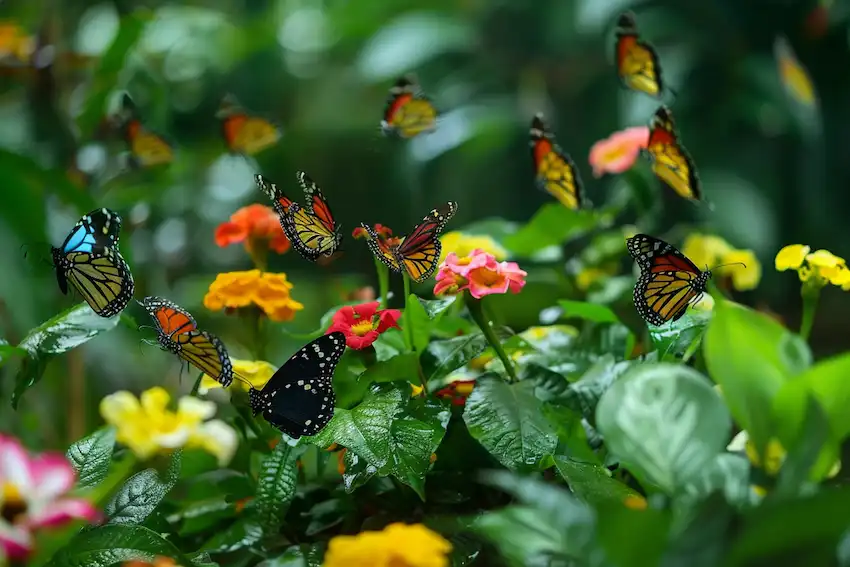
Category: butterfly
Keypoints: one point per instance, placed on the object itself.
(668, 280)
(90, 261)
(311, 229)
(637, 61)
(418, 252)
(408, 112)
(671, 162)
(147, 148)
(178, 332)
(299, 399)
(554, 170)
(243, 133)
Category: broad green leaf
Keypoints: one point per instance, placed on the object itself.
(592, 482)
(700, 538)
(242, 533)
(8, 352)
(811, 453)
(828, 382)
(587, 311)
(521, 535)
(202, 559)
(113, 544)
(276, 487)
(402, 367)
(141, 494)
(508, 421)
(425, 315)
(91, 456)
(60, 334)
(305, 555)
(665, 422)
(633, 538)
(551, 225)
(675, 337)
(728, 473)
(441, 358)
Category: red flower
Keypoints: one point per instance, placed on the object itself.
(457, 391)
(381, 230)
(362, 324)
(252, 224)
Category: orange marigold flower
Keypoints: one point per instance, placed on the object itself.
(252, 225)
(269, 292)
(380, 230)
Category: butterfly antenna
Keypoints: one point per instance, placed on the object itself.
(242, 379)
(730, 264)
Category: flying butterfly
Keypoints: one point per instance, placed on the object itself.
(671, 162)
(243, 133)
(178, 332)
(147, 148)
(408, 112)
(554, 170)
(417, 253)
(311, 229)
(299, 399)
(90, 261)
(637, 61)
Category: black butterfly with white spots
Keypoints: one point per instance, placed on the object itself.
(299, 399)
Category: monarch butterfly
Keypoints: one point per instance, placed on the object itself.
(637, 61)
(554, 170)
(147, 148)
(671, 162)
(418, 252)
(299, 399)
(178, 332)
(90, 260)
(408, 112)
(668, 280)
(243, 133)
(311, 229)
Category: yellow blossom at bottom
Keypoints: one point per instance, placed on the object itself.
(269, 292)
(257, 372)
(147, 427)
(463, 245)
(397, 545)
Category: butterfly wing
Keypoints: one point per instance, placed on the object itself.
(671, 162)
(408, 113)
(637, 61)
(102, 278)
(147, 149)
(170, 318)
(554, 170)
(312, 229)
(299, 399)
(243, 133)
(280, 201)
(419, 252)
(379, 247)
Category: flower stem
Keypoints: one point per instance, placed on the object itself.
(810, 294)
(383, 282)
(408, 319)
(476, 309)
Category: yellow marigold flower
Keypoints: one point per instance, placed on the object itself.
(257, 372)
(744, 277)
(819, 267)
(705, 250)
(397, 545)
(791, 257)
(463, 245)
(147, 427)
(270, 292)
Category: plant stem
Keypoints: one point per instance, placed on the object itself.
(476, 309)
(383, 282)
(810, 295)
(408, 320)
(249, 420)
(197, 385)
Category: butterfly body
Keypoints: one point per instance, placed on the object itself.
(408, 112)
(146, 147)
(637, 61)
(243, 133)
(555, 172)
(299, 398)
(671, 162)
(668, 282)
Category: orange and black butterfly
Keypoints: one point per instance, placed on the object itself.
(243, 133)
(417, 253)
(671, 162)
(637, 61)
(408, 112)
(554, 170)
(147, 148)
(311, 229)
(178, 332)
(668, 280)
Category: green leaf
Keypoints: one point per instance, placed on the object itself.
(633, 538)
(8, 352)
(441, 358)
(91, 456)
(675, 337)
(728, 473)
(141, 494)
(508, 421)
(402, 367)
(592, 482)
(305, 555)
(587, 311)
(242, 533)
(60, 334)
(276, 487)
(665, 422)
(112, 544)
(552, 225)
(828, 382)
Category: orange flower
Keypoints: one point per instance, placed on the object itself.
(618, 152)
(269, 292)
(253, 224)
(380, 230)
(15, 42)
(457, 391)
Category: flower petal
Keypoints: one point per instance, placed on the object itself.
(388, 318)
(367, 310)
(119, 407)
(228, 233)
(15, 541)
(61, 511)
(15, 465)
(53, 475)
(791, 257)
(217, 438)
(155, 400)
(193, 410)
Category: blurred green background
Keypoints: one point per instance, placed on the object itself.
(321, 70)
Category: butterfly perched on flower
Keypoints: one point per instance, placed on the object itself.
(668, 280)
(637, 62)
(299, 398)
(311, 229)
(147, 148)
(417, 253)
(408, 112)
(90, 261)
(671, 162)
(554, 170)
(178, 332)
(243, 133)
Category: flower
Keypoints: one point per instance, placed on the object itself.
(269, 292)
(457, 391)
(147, 426)
(744, 269)
(506, 277)
(381, 230)
(618, 152)
(705, 250)
(364, 323)
(817, 268)
(791, 257)
(31, 496)
(15, 42)
(397, 545)
(480, 273)
(257, 372)
(709, 251)
(158, 562)
(252, 225)
(463, 245)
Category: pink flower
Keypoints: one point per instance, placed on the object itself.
(364, 323)
(506, 277)
(618, 152)
(31, 490)
(480, 273)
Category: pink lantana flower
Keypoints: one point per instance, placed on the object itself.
(364, 323)
(480, 273)
(31, 496)
(618, 152)
(506, 277)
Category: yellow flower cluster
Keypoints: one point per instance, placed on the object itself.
(270, 292)
(819, 268)
(255, 372)
(708, 251)
(397, 545)
(147, 427)
(463, 245)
